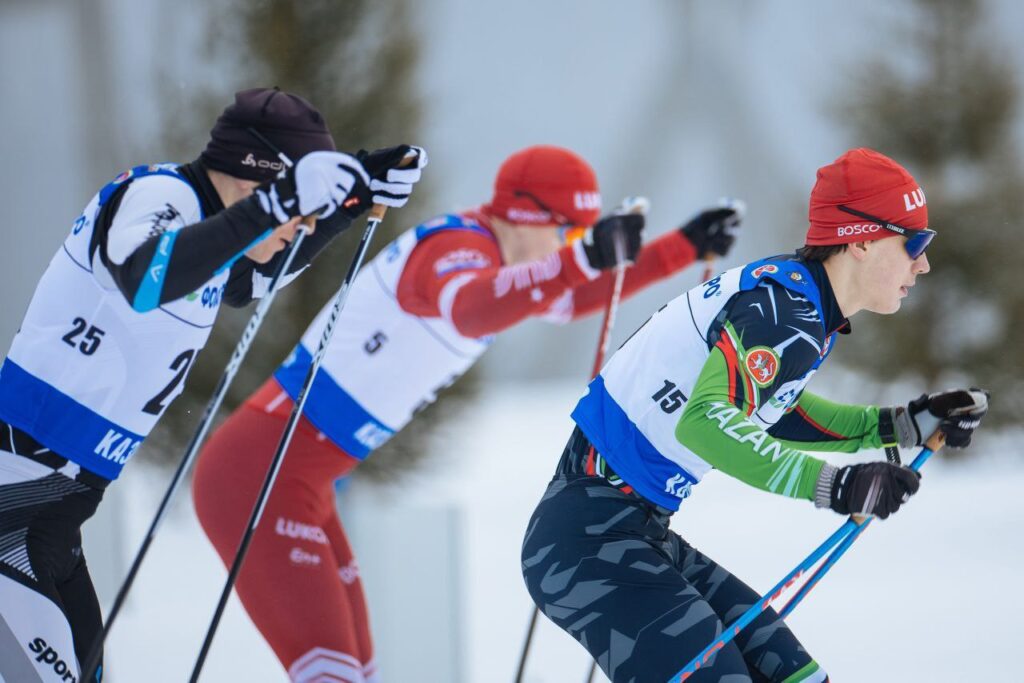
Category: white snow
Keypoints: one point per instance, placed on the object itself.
(929, 595)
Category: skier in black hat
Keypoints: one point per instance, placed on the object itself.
(115, 325)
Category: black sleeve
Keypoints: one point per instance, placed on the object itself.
(238, 292)
(326, 230)
(176, 264)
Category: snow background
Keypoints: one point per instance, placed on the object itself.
(929, 595)
(681, 100)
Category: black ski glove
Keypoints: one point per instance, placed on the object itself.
(956, 412)
(714, 230)
(390, 184)
(599, 241)
(873, 488)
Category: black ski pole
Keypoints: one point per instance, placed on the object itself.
(241, 349)
(376, 216)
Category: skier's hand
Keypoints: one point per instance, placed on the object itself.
(265, 249)
(599, 241)
(389, 184)
(320, 183)
(873, 488)
(713, 231)
(957, 413)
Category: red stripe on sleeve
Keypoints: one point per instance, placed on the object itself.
(827, 432)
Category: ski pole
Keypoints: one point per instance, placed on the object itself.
(840, 535)
(376, 216)
(241, 349)
(761, 605)
(932, 446)
(639, 205)
(740, 207)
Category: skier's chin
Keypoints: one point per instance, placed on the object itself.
(887, 307)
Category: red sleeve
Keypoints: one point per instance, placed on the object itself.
(660, 258)
(457, 275)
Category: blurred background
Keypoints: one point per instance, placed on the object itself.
(678, 100)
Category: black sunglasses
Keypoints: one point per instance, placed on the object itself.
(918, 239)
(555, 216)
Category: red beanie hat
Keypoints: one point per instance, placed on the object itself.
(545, 185)
(871, 183)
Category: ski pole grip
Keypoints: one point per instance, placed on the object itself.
(310, 222)
(936, 441)
(709, 268)
(378, 210)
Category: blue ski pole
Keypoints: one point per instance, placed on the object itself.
(842, 535)
(933, 445)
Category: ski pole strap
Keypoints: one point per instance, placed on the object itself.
(887, 432)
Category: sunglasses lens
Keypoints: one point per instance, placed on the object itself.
(571, 233)
(917, 244)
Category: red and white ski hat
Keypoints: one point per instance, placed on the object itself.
(868, 182)
(545, 185)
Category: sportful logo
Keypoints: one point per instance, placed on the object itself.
(162, 221)
(47, 655)
(586, 200)
(913, 200)
(250, 160)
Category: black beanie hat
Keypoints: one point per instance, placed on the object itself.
(288, 122)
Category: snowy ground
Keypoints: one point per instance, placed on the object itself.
(930, 595)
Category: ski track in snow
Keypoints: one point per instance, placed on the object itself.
(928, 595)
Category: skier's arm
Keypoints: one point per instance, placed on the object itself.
(711, 233)
(457, 275)
(250, 280)
(817, 424)
(157, 251)
(660, 258)
(716, 423)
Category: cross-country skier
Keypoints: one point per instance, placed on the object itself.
(715, 380)
(116, 323)
(418, 316)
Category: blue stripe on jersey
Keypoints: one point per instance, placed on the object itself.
(240, 254)
(62, 424)
(147, 296)
(449, 221)
(331, 409)
(628, 451)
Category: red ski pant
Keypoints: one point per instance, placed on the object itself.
(300, 583)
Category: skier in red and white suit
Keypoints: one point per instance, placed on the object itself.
(418, 316)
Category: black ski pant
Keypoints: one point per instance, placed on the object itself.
(604, 566)
(49, 613)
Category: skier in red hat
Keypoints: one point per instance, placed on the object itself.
(715, 380)
(418, 316)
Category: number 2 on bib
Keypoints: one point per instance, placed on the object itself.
(181, 363)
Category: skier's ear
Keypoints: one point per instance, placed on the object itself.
(859, 250)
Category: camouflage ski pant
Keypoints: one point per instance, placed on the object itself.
(604, 566)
